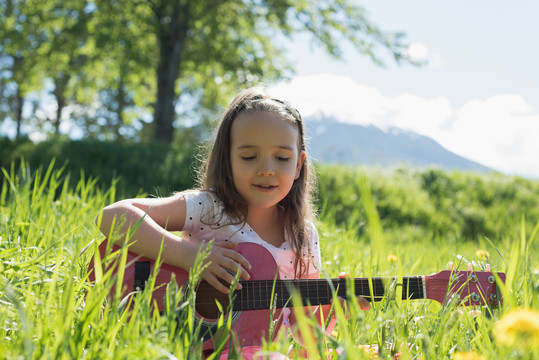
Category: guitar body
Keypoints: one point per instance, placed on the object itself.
(250, 326)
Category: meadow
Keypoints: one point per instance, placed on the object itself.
(372, 222)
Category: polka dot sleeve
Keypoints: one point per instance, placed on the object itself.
(200, 205)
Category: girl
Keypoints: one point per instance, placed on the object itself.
(256, 186)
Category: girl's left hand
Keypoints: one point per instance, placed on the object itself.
(363, 303)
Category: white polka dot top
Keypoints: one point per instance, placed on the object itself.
(203, 207)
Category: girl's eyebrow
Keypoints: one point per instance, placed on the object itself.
(283, 147)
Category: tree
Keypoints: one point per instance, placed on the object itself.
(108, 61)
(21, 38)
(203, 49)
(118, 76)
(63, 56)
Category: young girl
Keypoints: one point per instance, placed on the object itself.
(256, 186)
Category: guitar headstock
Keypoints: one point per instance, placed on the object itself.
(470, 287)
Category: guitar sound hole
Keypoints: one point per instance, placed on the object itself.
(206, 297)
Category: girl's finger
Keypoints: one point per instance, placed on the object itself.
(213, 281)
(226, 244)
(363, 303)
(234, 267)
(236, 256)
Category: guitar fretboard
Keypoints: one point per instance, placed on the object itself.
(257, 294)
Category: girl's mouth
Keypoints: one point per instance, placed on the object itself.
(263, 187)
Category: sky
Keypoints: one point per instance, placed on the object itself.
(478, 96)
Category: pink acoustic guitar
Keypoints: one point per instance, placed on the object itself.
(251, 304)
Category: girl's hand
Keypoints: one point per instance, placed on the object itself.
(223, 264)
(363, 303)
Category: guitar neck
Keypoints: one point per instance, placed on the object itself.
(257, 294)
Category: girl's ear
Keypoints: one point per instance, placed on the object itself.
(301, 158)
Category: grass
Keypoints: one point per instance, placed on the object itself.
(48, 309)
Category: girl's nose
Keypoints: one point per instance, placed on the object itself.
(266, 170)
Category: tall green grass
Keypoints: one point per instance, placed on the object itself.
(49, 310)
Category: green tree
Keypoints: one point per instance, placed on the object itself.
(21, 38)
(64, 56)
(205, 49)
(113, 60)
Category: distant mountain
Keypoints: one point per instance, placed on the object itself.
(341, 143)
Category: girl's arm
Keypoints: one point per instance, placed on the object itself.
(160, 216)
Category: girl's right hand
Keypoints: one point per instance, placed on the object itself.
(223, 263)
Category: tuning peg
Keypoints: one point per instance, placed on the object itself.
(450, 265)
(487, 267)
(470, 267)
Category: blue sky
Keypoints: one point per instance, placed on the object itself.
(478, 96)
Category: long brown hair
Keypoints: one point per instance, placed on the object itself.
(216, 172)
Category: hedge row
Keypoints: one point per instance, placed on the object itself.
(155, 168)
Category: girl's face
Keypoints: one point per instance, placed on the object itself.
(265, 158)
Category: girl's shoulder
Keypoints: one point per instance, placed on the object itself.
(312, 232)
(201, 197)
(204, 206)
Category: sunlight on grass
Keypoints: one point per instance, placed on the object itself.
(48, 309)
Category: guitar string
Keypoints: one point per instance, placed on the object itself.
(414, 287)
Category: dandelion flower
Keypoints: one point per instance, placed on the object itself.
(482, 254)
(468, 355)
(392, 258)
(518, 328)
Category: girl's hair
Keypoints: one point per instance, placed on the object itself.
(216, 172)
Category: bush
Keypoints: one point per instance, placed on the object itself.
(155, 168)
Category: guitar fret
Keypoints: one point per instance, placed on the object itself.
(252, 299)
(317, 291)
(259, 297)
(267, 294)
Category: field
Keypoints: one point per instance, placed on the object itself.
(371, 222)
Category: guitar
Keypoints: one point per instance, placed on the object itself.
(251, 313)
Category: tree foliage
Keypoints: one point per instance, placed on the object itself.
(120, 67)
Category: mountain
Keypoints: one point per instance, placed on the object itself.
(330, 141)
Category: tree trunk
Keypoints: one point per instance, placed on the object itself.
(61, 105)
(60, 83)
(171, 38)
(121, 104)
(18, 111)
(164, 106)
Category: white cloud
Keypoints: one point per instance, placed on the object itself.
(418, 51)
(501, 132)
(333, 95)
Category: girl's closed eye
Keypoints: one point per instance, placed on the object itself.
(248, 157)
(282, 158)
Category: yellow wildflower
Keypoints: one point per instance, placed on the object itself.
(392, 258)
(518, 328)
(468, 355)
(482, 254)
(371, 350)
